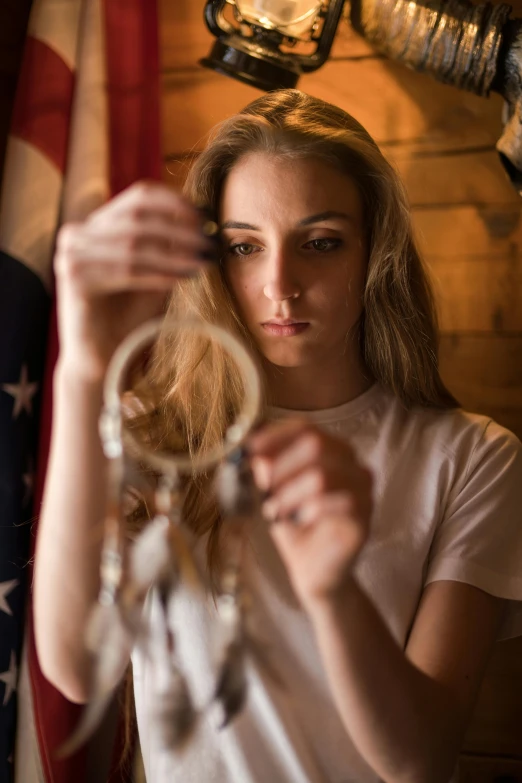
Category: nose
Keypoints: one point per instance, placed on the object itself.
(281, 283)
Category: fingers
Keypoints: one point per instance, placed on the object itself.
(319, 500)
(172, 238)
(299, 491)
(271, 438)
(124, 252)
(299, 466)
(298, 497)
(320, 555)
(335, 506)
(99, 265)
(288, 449)
(149, 198)
(326, 520)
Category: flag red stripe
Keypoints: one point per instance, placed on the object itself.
(133, 78)
(42, 109)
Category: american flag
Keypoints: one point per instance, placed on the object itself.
(85, 124)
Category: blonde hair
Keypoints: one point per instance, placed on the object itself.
(200, 388)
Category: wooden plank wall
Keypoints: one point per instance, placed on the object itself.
(469, 222)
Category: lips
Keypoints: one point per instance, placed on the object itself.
(285, 327)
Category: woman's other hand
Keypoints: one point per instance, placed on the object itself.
(319, 498)
(115, 270)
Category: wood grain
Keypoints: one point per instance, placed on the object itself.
(460, 179)
(195, 100)
(478, 295)
(484, 372)
(467, 232)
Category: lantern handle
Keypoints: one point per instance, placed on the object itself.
(213, 16)
(320, 56)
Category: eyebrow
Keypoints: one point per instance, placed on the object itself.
(319, 218)
(328, 215)
(236, 224)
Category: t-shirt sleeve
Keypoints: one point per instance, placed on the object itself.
(479, 540)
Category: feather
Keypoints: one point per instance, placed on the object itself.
(174, 711)
(150, 555)
(231, 687)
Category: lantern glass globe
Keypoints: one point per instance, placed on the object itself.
(292, 18)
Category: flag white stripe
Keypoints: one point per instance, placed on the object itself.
(86, 184)
(32, 187)
(51, 22)
(28, 766)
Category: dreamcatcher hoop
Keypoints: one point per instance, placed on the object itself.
(116, 438)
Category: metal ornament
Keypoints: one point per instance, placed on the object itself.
(473, 47)
(161, 557)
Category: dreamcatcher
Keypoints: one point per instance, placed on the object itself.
(161, 558)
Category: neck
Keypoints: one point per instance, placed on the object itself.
(310, 388)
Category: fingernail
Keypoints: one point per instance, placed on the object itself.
(209, 256)
(237, 456)
(206, 212)
(210, 225)
(210, 229)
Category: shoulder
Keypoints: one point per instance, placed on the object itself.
(444, 442)
(455, 430)
(473, 435)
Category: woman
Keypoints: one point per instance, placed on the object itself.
(394, 551)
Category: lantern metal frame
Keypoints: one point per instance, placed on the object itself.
(258, 60)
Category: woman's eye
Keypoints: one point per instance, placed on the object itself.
(323, 245)
(242, 249)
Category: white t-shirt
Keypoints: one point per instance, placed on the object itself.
(448, 506)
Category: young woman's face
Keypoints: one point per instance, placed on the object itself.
(296, 258)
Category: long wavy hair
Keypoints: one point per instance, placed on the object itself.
(199, 387)
(191, 389)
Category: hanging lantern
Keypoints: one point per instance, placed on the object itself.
(270, 43)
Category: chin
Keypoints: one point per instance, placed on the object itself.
(289, 359)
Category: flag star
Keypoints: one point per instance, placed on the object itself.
(5, 588)
(9, 678)
(23, 392)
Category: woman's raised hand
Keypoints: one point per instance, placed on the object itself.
(319, 498)
(115, 270)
